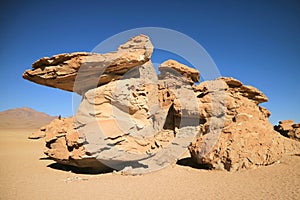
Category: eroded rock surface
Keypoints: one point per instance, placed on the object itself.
(123, 112)
(81, 71)
(235, 132)
(189, 74)
(131, 117)
(64, 145)
(288, 129)
(134, 117)
(62, 140)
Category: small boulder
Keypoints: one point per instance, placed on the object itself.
(288, 129)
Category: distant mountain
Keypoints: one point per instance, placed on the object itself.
(23, 118)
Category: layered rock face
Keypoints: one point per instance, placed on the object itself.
(89, 70)
(235, 131)
(288, 129)
(134, 117)
(130, 117)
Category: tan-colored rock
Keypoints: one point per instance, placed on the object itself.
(288, 129)
(38, 134)
(131, 118)
(296, 125)
(175, 80)
(62, 140)
(286, 125)
(247, 91)
(190, 74)
(231, 137)
(81, 71)
(134, 117)
(124, 112)
(64, 145)
(235, 132)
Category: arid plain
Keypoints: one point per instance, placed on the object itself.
(26, 173)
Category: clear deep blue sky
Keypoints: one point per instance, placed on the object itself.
(257, 42)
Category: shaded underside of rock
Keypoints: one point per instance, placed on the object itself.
(81, 71)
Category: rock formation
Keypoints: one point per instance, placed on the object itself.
(235, 131)
(126, 114)
(64, 145)
(89, 70)
(288, 129)
(130, 117)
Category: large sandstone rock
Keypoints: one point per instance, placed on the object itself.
(235, 132)
(122, 111)
(131, 118)
(89, 70)
(134, 117)
(288, 129)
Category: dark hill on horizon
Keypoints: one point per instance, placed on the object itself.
(25, 117)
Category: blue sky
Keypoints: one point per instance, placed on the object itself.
(257, 42)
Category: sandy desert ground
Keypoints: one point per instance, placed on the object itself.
(27, 174)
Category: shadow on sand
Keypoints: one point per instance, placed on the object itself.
(189, 162)
(186, 162)
(78, 170)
